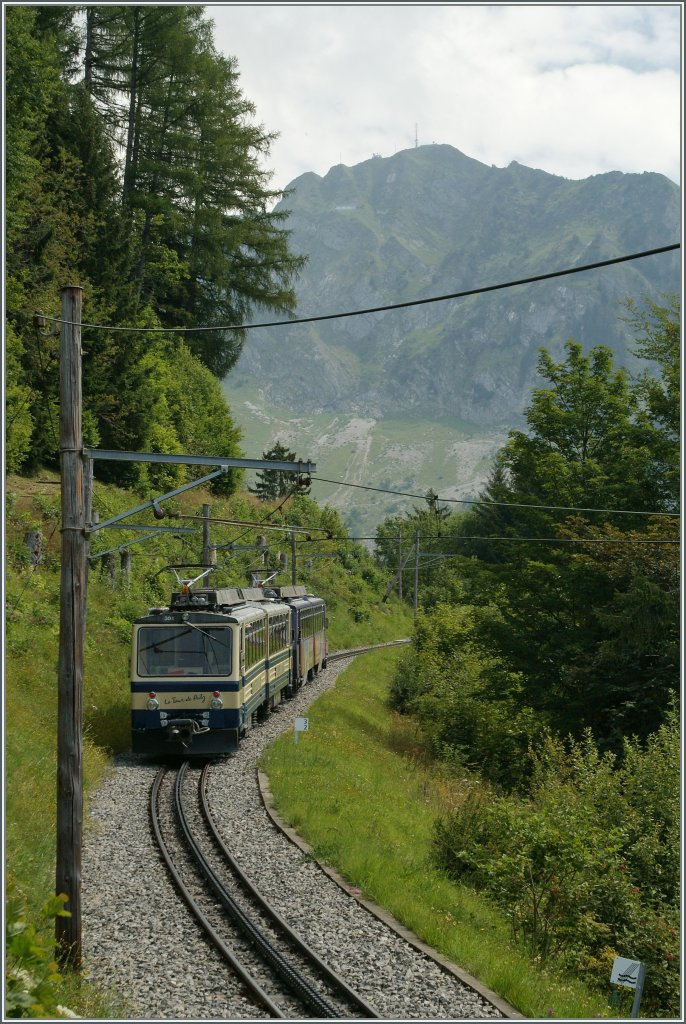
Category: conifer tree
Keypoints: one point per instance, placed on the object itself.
(277, 483)
(207, 248)
(133, 168)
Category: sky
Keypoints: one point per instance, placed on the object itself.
(571, 89)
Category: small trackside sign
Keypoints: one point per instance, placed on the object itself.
(631, 974)
(300, 725)
(625, 972)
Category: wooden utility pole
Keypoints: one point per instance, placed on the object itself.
(400, 565)
(125, 562)
(294, 572)
(206, 554)
(73, 593)
(416, 571)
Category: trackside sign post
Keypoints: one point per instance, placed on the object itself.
(300, 725)
(631, 974)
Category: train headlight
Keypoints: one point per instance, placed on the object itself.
(153, 703)
(216, 703)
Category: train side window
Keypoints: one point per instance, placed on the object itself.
(278, 633)
(255, 643)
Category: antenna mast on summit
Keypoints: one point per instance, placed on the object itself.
(416, 141)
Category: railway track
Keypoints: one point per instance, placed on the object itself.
(278, 969)
(351, 652)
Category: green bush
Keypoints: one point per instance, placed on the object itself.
(405, 684)
(440, 681)
(32, 979)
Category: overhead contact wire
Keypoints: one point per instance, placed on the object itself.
(495, 504)
(380, 309)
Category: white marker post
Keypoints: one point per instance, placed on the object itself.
(301, 725)
(631, 974)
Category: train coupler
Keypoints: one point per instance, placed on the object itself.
(183, 730)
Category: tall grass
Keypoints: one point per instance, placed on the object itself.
(357, 789)
(32, 632)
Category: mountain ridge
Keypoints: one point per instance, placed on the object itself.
(432, 221)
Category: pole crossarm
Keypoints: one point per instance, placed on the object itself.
(201, 460)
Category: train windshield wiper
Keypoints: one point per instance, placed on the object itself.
(214, 639)
(158, 643)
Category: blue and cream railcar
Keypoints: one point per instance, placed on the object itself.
(309, 626)
(202, 668)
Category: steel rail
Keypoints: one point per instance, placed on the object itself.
(353, 651)
(228, 954)
(339, 983)
(291, 977)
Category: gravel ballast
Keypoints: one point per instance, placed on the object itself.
(140, 941)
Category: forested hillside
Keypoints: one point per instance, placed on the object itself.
(546, 662)
(133, 170)
(568, 562)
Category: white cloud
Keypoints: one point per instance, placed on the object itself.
(576, 90)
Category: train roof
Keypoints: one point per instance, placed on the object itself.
(217, 616)
(294, 594)
(229, 600)
(227, 597)
(222, 601)
(292, 591)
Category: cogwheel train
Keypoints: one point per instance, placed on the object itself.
(203, 669)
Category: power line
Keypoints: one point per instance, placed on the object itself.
(517, 540)
(553, 540)
(262, 524)
(497, 504)
(381, 309)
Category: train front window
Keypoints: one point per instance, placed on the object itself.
(184, 650)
